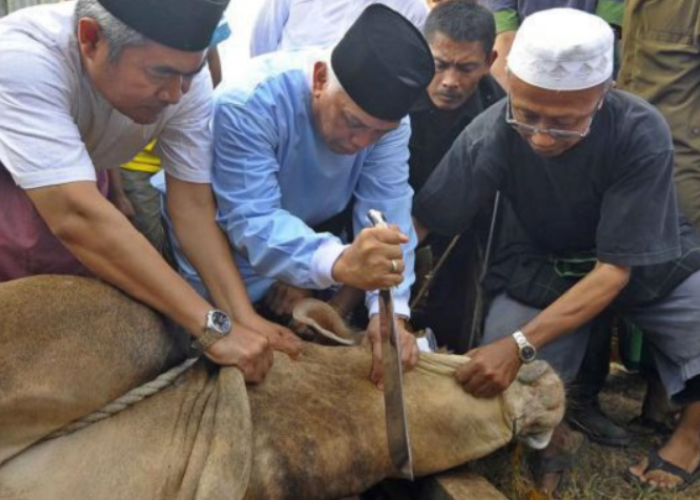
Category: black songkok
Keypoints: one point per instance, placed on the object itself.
(383, 63)
(179, 24)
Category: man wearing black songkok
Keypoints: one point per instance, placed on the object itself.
(299, 137)
(85, 86)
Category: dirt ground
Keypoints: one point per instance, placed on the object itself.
(597, 474)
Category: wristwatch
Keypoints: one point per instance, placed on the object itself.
(217, 326)
(526, 350)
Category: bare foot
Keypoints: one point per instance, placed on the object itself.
(682, 450)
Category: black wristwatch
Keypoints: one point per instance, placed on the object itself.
(526, 350)
(217, 326)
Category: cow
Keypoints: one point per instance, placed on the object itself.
(314, 429)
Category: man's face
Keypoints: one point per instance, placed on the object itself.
(144, 79)
(433, 3)
(345, 127)
(570, 111)
(459, 65)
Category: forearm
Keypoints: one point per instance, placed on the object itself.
(191, 208)
(580, 304)
(109, 246)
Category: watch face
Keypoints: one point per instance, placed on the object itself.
(220, 321)
(528, 353)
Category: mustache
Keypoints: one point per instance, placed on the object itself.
(449, 95)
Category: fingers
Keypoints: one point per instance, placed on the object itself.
(480, 379)
(247, 350)
(391, 235)
(410, 353)
(284, 340)
(377, 375)
(375, 339)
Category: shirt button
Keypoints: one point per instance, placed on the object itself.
(695, 131)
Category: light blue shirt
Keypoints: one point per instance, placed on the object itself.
(274, 178)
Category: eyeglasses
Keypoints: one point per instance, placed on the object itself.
(554, 133)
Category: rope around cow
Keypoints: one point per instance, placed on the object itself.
(122, 403)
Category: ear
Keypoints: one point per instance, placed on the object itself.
(320, 78)
(89, 37)
(491, 59)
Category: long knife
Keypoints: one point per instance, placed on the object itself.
(395, 410)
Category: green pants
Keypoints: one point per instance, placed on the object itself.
(661, 63)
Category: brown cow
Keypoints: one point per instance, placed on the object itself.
(313, 430)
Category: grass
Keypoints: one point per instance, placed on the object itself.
(597, 473)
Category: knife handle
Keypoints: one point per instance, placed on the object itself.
(377, 218)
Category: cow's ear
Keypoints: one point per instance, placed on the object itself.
(531, 372)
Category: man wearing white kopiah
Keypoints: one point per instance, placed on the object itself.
(588, 172)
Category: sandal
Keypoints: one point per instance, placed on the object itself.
(656, 462)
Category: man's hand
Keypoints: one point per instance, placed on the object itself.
(247, 350)
(373, 261)
(281, 339)
(283, 298)
(407, 343)
(491, 370)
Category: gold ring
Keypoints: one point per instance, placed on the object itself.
(394, 266)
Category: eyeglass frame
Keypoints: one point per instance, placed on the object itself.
(554, 133)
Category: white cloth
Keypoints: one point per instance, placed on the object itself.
(562, 49)
(297, 24)
(56, 128)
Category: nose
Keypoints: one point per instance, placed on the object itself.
(541, 140)
(173, 89)
(450, 79)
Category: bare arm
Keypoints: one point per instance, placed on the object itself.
(504, 42)
(583, 302)
(107, 244)
(192, 210)
(493, 367)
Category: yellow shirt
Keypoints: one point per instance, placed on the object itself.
(145, 161)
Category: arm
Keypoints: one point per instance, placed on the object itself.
(383, 185)
(267, 32)
(276, 243)
(499, 69)
(505, 13)
(106, 243)
(192, 210)
(493, 367)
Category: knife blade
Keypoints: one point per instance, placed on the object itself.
(394, 407)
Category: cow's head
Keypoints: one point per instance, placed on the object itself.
(536, 404)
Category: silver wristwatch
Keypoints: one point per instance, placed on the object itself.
(217, 326)
(526, 350)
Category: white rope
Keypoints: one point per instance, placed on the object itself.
(130, 398)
